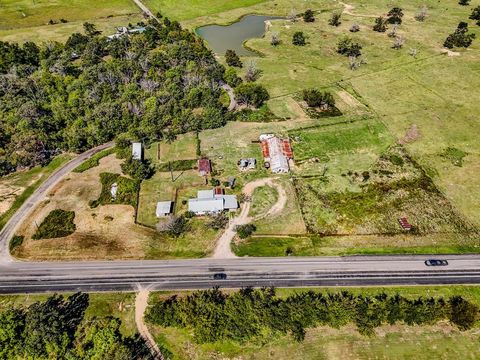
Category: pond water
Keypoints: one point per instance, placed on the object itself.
(221, 38)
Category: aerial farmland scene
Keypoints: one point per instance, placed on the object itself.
(239, 179)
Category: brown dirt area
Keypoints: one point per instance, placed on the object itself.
(105, 232)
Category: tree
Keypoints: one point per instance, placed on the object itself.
(355, 28)
(233, 59)
(308, 16)
(398, 42)
(275, 40)
(137, 169)
(316, 98)
(335, 19)
(459, 38)
(476, 14)
(251, 94)
(421, 14)
(299, 39)
(395, 15)
(347, 47)
(463, 313)
(464, 2)
(231, 77)
(380, 24)
(217, 221)
(245, 231)
(252, 73)
(90, 29)
(175, 226)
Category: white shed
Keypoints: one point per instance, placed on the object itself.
(164, 208)
(137, 151)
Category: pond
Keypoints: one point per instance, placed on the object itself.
(220, 38)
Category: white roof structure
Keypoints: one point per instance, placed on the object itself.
(137, 151)
(163, 208)
(209, 203)
(278, 160)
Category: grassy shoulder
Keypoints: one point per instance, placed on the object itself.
(398, 341)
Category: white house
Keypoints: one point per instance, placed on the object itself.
(208, 202)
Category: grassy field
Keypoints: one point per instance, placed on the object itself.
(17, 187)
(28, 20)
(390, 342)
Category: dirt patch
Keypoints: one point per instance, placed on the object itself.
(411, 135)
(8, 194)
(105, 232)
(450, 52)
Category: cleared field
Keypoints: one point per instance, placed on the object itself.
(27, 20)
(190, 9)
(184, 147)
(390, 342)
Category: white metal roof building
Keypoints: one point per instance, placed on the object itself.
(278, 160)
(163, 208)
(137, 151)
(209, 203)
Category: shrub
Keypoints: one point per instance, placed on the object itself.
(299, 39)
(308, 16)
(127, 190)
(347, 47)
(462, 313)
(15, 242)
(58, 223)
(218, 221)
(176, 226)
(245, 231)
(232, 59)
(335, 19)
(231, 77)
(275, 40)
(137, 169)
(251, 94)
(454, 155)
(93, 161)
(380, 24)
(316, 98)
(464, 2)
(476, 14)
(460, 37)
(355, 28)
(395, 15)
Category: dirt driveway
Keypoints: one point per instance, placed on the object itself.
(223, 250)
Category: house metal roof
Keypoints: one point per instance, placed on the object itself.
(203, 206)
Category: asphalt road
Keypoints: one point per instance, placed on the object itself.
(18, 277)
(9, 229)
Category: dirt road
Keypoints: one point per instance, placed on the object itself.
(144, 9)
(141, 303)
(223, 250)
(229, 90)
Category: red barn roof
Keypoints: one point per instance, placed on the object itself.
(287, 148)
(204, 166)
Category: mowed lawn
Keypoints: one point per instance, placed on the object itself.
(28, 20)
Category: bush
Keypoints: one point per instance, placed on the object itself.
(347, 47)
(380, 24)
(251, 94)
(218, 221)
(232, 59)
(245, 231)
(316, 98)
(299, 39)
(476, 14)
(93, 161)
(262, 114)
(58, 223)
(335, 19)
(459, 38)
(462, 313)
(137, 169)
(15, 242)
(308, 16)
(355, 28)
(176, 226)
(127, 190)
(464, 2)
(395, 16)
(231, 77)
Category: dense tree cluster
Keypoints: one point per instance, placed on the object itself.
(251, 94)
(317, 98)
(56, 329)
(248, 313)
(73, 96)
(137, 169)
(460, 37)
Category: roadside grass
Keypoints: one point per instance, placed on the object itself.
(23, 179)
(94, 160)
(58, 223)
(263, 199)
(389, 342)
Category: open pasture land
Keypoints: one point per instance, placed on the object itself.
(27, 20)
(389, 342)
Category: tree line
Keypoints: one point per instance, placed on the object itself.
(57, 329)
(255, 313)
(72, 96)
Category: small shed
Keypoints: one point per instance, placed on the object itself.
(137, 151)
(164, 208)
(113, 191)
(204, 167)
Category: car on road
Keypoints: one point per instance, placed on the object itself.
(436, 262)
(219, 276)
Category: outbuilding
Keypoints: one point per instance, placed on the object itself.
(164, 208)
(137, 151)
